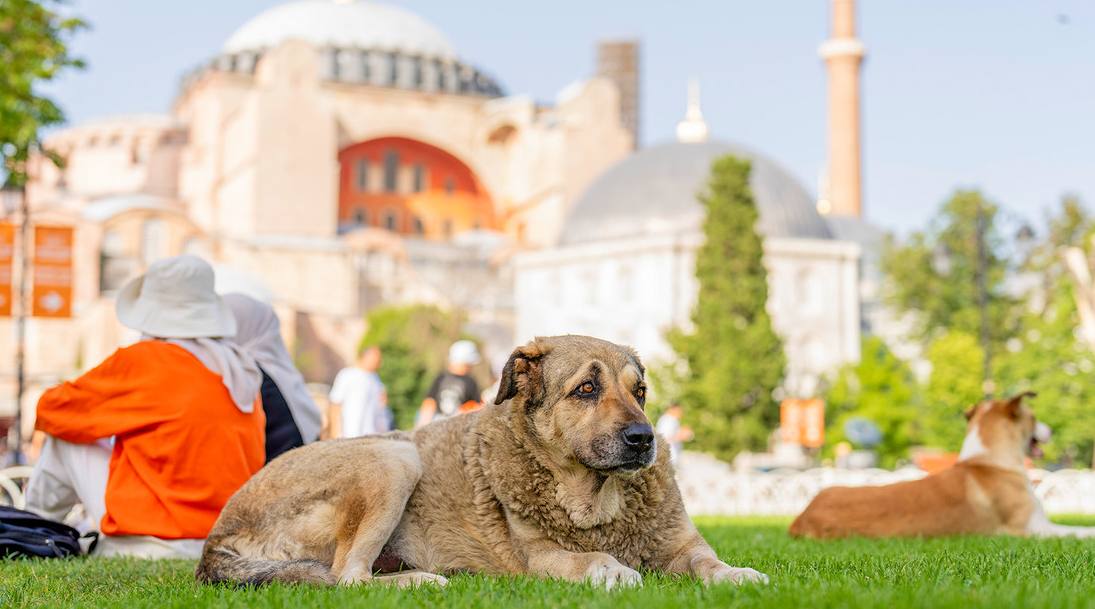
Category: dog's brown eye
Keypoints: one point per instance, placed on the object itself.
(585, 388)
(641, 393)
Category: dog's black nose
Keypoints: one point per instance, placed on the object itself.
(638, 436)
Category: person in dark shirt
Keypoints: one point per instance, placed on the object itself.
(454, 390)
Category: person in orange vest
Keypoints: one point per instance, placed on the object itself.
(155, 439)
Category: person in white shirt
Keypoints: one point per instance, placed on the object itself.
(358, 397)
(669, 425)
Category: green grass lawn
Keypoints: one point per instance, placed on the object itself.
(958, 572)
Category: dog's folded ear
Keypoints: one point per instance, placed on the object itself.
(522, 374)
(1013, 403)
(972, 411)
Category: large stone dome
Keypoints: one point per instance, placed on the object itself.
(346, 24)
(654, 191)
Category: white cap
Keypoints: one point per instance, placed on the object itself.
(463, 352)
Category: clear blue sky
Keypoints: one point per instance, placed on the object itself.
(996, 94)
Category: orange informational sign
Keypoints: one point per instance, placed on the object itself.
(802, 422)
(52, 271)
(7, 257)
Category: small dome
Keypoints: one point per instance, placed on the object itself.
(344, 24)
(654, 191)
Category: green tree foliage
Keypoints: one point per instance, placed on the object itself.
(952, 388)
(734, 359)
(935, 272)
(1049, 357)
(1050, 360)
(414, 341)
(881, 388)
(32, 50)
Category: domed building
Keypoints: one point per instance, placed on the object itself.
(335, 156)
(624, 268)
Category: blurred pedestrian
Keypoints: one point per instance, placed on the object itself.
(358, 396)
(669, 425)
(155, 439)
(454, 390)
(292, 418)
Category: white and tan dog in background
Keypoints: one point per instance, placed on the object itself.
(986, 492)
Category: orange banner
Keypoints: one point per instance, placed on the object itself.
(7, 258)
(52, 272)
(802, 422)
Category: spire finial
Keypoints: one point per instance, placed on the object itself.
(693, 128)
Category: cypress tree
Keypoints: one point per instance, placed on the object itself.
(734, 358)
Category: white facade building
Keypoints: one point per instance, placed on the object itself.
(624, 269)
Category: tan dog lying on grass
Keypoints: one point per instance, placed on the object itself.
(562, 476)
(986, 492)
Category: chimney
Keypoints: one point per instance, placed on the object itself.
(619, 61)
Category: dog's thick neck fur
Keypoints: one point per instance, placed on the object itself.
(581, 508)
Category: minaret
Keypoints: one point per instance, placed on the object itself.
(843, 54)
(693, 128)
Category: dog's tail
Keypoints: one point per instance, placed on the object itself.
(224, 565)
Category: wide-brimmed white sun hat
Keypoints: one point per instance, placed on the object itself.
(175, 299)
(463, 352)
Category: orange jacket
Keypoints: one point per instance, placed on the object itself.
(181, 448)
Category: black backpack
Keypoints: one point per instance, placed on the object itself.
(23, 534)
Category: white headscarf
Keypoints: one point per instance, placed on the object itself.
(237, 369)
(259, 334)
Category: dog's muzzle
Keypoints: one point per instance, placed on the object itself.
(638, 442)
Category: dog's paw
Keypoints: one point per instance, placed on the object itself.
(735, 575)
(613, 576)
(352, 577)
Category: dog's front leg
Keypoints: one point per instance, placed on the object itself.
(371, 514)
(545, 557)
(687, 552)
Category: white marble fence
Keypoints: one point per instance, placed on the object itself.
(711, 487)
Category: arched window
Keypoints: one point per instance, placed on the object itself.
(417, 72)
(114, 266)
(450, 186)
(419, 228)
(359, 217)
(393, 73)
(419, 177)
(391, 170)
(361, 174)
(447, 227)
(391, 220)
(153, 241)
